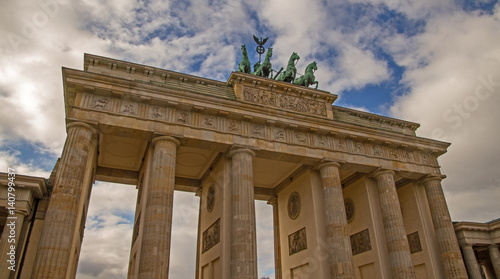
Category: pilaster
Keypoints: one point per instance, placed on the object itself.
(449, 249)
(277, 244)
(155, 249)
(337, 234)
(395, 233)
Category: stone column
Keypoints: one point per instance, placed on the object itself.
(276, 232)
(56, 240)
(243, 228)
(13, 227)
(157, 226)
(395, 233)
(449, 249)
(471, 262)
(337, 234)
(495, 259)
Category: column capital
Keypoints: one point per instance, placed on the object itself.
(327, 163)
(432, 177)
(273, 201)
(81, 125)
(166, 138)
(235, 150)
(466, 245)
(380, 172)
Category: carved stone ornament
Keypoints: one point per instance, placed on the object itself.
(349, 209)
(294, 205)
(414, 242)
(211, 236)
(234, 126)
(183, 117)
(275, 99)
(211, 198)
(297, 241)
(101, 103)
(360, 242)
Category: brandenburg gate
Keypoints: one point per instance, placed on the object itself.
(354, 194)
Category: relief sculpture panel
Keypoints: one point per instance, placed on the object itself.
(284, 101)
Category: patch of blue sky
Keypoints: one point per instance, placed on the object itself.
(483, 6)
(127, 216)
(30, 153)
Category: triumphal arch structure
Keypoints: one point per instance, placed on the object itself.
(354, 194)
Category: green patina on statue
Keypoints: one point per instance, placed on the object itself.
(308, 78)
(264, 69)
(291, 71)
(245, 66)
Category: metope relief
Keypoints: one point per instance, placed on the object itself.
(297, 241)
(233, 126)
(274, 99)
(211, 236)
(101, 103)
(183, 117)
(157, 113)
(129, 108)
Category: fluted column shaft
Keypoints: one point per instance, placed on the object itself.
(449, 249)
(471, 262)
(243, 229)
(155, 247)
(54, 249)
(13, 227)
(495, 259)
(395, 233)
(277, 242)
(337, 233)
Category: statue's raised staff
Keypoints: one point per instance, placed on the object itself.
(308, 78)
(245, 66)
(291, 71)
(264, 68)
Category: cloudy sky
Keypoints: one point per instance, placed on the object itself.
(436, 63)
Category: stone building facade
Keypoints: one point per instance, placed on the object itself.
(354, 194)
(479, 243)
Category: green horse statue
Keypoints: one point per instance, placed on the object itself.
(245, 66)
(291, 71)
(308, 78)
(264, 68)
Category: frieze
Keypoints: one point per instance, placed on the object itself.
(297, 241)
(211, 236)
(291, 134)
(287, 102)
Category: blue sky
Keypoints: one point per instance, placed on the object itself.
(436, 63)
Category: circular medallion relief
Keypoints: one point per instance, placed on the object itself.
(211, 198)
(349, 209)
(294, 205)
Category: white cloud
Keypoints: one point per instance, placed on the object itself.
(454, 55)
(454, 76)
